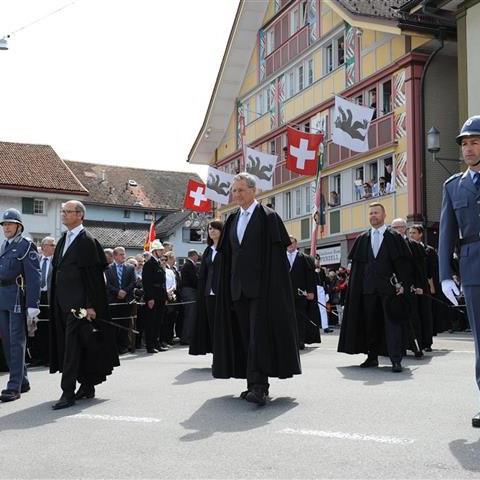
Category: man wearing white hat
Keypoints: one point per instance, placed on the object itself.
(154, 287)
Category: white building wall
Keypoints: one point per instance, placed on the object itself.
(473, 65)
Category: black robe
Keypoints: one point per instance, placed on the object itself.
(276, 350)
(312, 326)
(201, 342)
(353, 331)
(99, 352)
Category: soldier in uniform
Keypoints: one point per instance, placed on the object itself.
(19, 297)
(460, 222)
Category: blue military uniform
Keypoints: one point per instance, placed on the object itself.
(460, 224)
(19, 291)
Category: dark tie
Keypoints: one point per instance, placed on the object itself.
(476, 179)
(43, 280)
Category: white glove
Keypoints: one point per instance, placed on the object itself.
(450, 289)
(33, 312)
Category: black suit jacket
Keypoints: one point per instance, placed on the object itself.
(128, 282)
(189, 274)
(302, 274)
(247, 258)
(154, 282)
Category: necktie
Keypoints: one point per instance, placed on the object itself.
(242, 225)
(476, 180)
(291, 259)
(376, 242)
(119, 274)
(68, 241)
(43, 279)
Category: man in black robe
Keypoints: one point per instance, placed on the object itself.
(255, 326)
(82, 349)
(375, 308)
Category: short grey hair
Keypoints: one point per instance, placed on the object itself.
(45, 240)
(400, 221)
(79, 207)
(249, 179)
(117, 250)
(170, 254)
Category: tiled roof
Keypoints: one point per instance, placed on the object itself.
(166, 226)
(118, 234)
(25, 166)
(153, 189)
(386, 9)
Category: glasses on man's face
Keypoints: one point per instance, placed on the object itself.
(49, 245)
(68, 211)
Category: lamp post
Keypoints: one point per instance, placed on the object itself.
(433, 146)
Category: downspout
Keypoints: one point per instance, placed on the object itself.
(441, 36)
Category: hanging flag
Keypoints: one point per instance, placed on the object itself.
(302, 151)
(350, 125)
(261, 165)
(218, 186)
(319, 202)
(195, 198)
(243, 142)
(151, 236)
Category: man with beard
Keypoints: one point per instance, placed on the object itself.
(255, 326)
(82, 349)
(375, 308)
(460, 222)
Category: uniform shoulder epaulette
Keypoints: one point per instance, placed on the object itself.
(456, 175)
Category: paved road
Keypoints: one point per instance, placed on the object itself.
(163, 416)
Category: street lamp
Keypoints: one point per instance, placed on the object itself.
(433, 146)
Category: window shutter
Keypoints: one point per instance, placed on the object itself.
(27, 205)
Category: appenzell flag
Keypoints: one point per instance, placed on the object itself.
(195, 198)
(302, 151)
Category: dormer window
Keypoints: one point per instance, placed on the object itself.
(132, 183)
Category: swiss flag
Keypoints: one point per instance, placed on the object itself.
(302, 151)
(195, 198)
(151, 236)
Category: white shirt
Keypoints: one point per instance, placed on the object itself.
(292, 256)
(381, 230)
(170, 280)
(250, 210)
(73, 235)
(472, 173)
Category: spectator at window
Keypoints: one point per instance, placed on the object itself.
(334, 199)
(382, 187)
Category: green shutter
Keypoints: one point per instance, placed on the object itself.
(27, 205)
(335, 221)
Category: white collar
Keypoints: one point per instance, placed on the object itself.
(76, 230)
(472, 173)
(251, 208)
(381, 230)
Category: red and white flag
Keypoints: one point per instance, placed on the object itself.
(302, 151)
(195, 198)
(151, 236)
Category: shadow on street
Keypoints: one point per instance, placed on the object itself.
(193, 375)
(467, 454)
(230, 414)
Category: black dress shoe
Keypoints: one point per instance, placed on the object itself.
(35, 363)
(123, 351)
(301, 346)
(327, 330)
(476, 421)
(152, 350)
(25, 388)
(418, 354)
(396, 367)
(85, 391)
(244, 394)
(257, 395)
(369, 362)
(428, 349)
(9, 395)
(64, 402)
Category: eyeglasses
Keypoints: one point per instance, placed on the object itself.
(68, 211)
(49, 245)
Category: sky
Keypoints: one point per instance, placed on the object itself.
(111, 81)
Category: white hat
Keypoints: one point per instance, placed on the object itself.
(156, 245)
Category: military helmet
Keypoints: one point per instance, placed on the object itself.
(470, 127)
(12, 215)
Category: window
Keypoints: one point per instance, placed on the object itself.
(358, 183)
(335, 195)
(287, 209)
(38, 207)
(298, 202)
(303, 12)
(293, 21)
(148, 216)
(270, 41)
(272, 147)
(291, 84)
(334, 54)
(126, 214)
(305, 229)
(300, 77)
(310, 71)
(386, 97)
(308, 199)
(372, 101)
(191, 235)
(372, 171)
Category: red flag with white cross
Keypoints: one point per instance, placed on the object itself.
(302, 151)
(195, 198)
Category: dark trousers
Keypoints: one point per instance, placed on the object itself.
(302, 317)
(248, 314)
(189, 313)
(374, 305)
(210, 303)
(472, 300)
(167, 332)
(38, 346)
(153, 323)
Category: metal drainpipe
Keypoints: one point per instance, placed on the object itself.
(441, 35)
